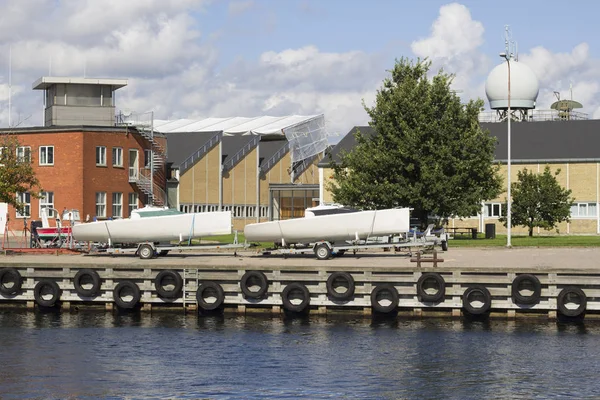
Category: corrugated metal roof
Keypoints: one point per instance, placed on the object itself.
(263, 125)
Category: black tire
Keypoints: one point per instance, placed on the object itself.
(348, 282)
(287, 297)
(210, 288)
(171, 278)
(10, 281)
(425, 282)
(322, 251)
(531, 281)
(483, 295)
(85, 277)
(251, 279)
(121, 289)
(163, 252)
(146, 252)
(444, 245)
(340, 253)
(564, 298)
(44, 288)
(392, 294)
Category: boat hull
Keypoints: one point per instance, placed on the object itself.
(53, 232)
(337, 227)
(155, 229)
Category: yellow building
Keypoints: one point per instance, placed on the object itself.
(250, 166)
(569, 145)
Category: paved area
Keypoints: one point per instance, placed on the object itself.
(559, 258)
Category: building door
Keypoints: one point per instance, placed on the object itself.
(133, 165)
(3, 217)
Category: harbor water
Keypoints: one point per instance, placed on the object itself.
(91, 355)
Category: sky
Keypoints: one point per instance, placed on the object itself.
(226, 58)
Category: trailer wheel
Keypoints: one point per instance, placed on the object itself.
(444, 245)
(46, 293)
(126, 294)
(322, 251)
(10, 281)
(146, 252)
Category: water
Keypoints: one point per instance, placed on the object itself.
(139, 356)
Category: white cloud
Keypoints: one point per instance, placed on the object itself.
(239, 7)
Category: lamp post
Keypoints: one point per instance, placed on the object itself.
(508, 199)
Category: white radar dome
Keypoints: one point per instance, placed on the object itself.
(524, 86)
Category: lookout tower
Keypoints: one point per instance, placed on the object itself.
(79, 101)
(524, 86)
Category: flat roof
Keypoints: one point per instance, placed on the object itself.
(46, 81)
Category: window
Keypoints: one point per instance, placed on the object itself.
(25, 200)
(100, 155)
(117, 156)
(100, 204)
(133, 202)
(46, 155)
(493, 210)
(47, 201)
(583, 210)
(24, 154)
(117, 205)
(147, 158)
(264, 211)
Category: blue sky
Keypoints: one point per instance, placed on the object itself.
(219, 58)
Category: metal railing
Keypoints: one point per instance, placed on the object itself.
(275, 158)
(241, 154)
(188, 162)
(536, 115)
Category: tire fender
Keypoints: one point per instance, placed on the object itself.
(10, 275)
(172, 275)
(382, 289)
(96, 283)
(49, 286)
(517, 298)
(219, 295)
(337, 276)
(431, 297)
(124, 285)
(287, 300)
(247, 279)
(482, 292)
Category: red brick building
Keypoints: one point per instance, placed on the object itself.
(83, 159)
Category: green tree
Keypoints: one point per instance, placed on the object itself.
(538, 200)
(16, 172)
(428, 151)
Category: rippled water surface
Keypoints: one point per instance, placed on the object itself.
(104, 355)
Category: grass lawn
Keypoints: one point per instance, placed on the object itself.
(526, 241)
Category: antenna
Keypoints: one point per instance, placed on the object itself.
(9, 84)
(50, 66)
(510, 46)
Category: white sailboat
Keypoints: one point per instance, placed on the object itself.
(155, 224)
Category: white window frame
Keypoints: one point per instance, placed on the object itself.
(46, 156)
(25, 198)
(583, 210)
(117, 205)
(117, 157)
(24, 153)
(101, 156)
(491, 207)
(132, 202)
(100, 204)
(47, 201)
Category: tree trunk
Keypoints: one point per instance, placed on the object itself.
(530, 231)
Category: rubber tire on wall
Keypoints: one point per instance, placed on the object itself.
(486, 305)
(285, 297)
(15, 277)
(337, 295)
(37, 293)
(220, 296)
(96, 283)
(117, 294)
(537, 290)
(264, 284)
(162, 292)
(560, 302)
(381, 288)
(431, 298)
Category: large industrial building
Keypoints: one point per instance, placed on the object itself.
(560, 138)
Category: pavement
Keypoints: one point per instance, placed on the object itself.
(520, 259)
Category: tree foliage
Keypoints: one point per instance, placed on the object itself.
(538, 200)
(428, 151)
(16, 172)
